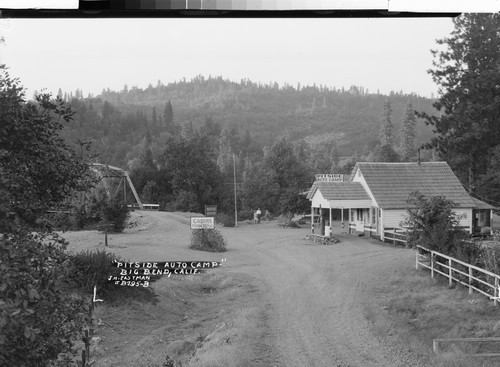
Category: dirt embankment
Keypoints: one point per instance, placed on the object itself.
(307, 298)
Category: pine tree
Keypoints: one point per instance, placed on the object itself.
(407, 142)
(187, 131)
(154, 117)
(168, 117)
(334, 157)
(468, 76)
(386, 125)
(149, 139)
(225, 152)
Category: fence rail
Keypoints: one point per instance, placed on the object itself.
(395, 234)
(468, 341)
(473, 277)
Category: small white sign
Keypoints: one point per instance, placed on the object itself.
(202, 222)
(329, 177)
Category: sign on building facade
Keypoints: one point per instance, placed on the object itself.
(329, 177)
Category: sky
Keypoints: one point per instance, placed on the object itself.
(94, 54)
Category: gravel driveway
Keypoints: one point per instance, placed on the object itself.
(312, 294)
(315, 294)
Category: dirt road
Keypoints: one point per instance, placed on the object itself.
(315, 294)
(312, 295)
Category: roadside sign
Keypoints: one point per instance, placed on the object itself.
(210, 210)
(202, 223)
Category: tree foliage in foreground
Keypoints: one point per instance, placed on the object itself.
(38, 169)
(433, 224)
(41, 315)
(467, 72)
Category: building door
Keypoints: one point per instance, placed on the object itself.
(360, 224)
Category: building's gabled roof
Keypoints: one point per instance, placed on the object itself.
(346, 190)
(392, 183)
(482, 205)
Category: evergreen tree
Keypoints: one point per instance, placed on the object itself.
(154, 119)
(187, 131)
(469, 79)
(224, 159)
(283, 165)
(149, 139)
(168, 117)
(407, 141)
(334, 157)
(386, 128)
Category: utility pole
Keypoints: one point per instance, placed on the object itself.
(235, 202)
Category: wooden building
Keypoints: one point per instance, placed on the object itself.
(375, 197)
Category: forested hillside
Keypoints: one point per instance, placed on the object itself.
(255, 115)
(183, 142)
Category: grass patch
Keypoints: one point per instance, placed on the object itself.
(216, 312)
(411, 310)
(93, 268)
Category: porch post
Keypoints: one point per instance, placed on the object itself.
(312, 219)
(331, 227)
(349, 220)
(342, 218)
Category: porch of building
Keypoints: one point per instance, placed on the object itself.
(340, 221)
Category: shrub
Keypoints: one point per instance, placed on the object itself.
(433, 224)
(225, 219)
(284, 221)
(116, 213)
(186, 201)
(85, 215)
(245, 214)
(208, 240)
(41, 315)
(93, 268)
(490, 258)
(469, 252)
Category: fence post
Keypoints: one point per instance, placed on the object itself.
(435, 346)
(449, 271)
(432, 264)
(416, 260)
(496, 293)
(470, 280)
(394, 238)
(86, 340)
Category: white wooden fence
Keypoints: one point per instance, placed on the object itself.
(473, 277)
(469, 343)
(395, 235)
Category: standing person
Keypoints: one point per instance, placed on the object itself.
(255, 216)
(259, 213)
(267, 215)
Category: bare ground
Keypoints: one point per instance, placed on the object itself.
(307, 297)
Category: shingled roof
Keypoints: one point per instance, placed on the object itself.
(346, 190)
(392, 183)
